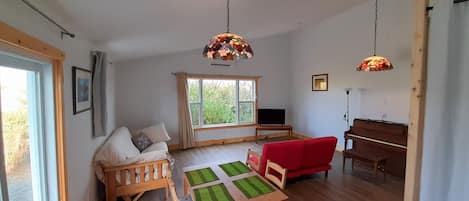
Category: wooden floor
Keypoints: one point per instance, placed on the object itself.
(358, 185)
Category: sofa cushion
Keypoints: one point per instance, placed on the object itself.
(118, 147)
(287, 154)
(159, 146)
(318, 151)
(145, 157)
(141, 141)
(157, 133)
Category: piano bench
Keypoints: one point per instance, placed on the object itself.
(378, 160)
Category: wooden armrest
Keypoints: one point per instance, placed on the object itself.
(279, 169)
(122, 171)
(253, 164)
(107, 168)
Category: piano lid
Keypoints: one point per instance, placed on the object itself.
(395, 133)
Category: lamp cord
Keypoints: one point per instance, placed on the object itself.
(228, 16)
(376, 27)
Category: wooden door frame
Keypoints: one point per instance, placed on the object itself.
(25, 43)
(417, 101)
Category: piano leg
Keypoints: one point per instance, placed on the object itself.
(376, 169)
(343, 164)
(384, 170)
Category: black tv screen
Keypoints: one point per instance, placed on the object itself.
(271, 116)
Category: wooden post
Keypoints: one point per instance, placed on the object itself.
(417, 102)
(25, 43)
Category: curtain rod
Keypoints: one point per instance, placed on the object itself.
(220, 76)
(63, 30)
(459, 1)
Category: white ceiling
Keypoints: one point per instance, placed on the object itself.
(139, 28)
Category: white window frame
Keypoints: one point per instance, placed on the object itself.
(39, 163)
(200, 78)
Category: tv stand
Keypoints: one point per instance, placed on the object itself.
(273, 127)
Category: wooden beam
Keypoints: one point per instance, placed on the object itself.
(60, 130)
(25, 43)
(18, 39)
(417, 102)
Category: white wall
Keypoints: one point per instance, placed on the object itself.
(146, 90)
(445, 160)
(79, 142)
(336, 46)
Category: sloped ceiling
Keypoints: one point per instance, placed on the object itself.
(139, 28)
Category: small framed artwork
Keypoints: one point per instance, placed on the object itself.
(320, 82)
(82, 88)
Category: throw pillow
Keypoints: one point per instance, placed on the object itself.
(141, 141)
(157, 133)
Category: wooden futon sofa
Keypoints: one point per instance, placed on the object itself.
(157, 175)
(128, 172)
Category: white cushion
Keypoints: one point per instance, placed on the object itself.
(157, 133)
(159, 146)
(144, 157)
(117, 148)
(134, 132)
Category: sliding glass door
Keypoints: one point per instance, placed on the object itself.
(23, 154)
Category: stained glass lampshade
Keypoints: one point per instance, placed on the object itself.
(228, 47)
(375, 63)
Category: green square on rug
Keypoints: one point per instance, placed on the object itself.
(235, 168)
(216, 192)
(253, 186)
(201, 176)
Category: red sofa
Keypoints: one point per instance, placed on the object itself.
(298, 157)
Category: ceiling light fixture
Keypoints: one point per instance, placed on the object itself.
(375, 63)
(228, 46)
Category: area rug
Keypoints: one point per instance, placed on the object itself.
(201, 176)
(214, 193)
(253, 186)
(235, 168)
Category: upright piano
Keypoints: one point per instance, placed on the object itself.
(380, 138)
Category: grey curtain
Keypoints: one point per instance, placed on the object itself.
(99, 93)
(186, 133)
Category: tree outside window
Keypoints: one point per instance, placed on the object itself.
(221, 102)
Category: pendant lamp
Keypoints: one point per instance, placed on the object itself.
(228, 46)
(375, 63)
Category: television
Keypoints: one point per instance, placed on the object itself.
(271, 116)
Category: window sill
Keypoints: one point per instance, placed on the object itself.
(224, 126)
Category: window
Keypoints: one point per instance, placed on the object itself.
(222, 102)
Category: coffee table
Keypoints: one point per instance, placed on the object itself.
(223, 178)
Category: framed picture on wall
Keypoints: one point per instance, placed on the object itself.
(320, 82)
(82, 88)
